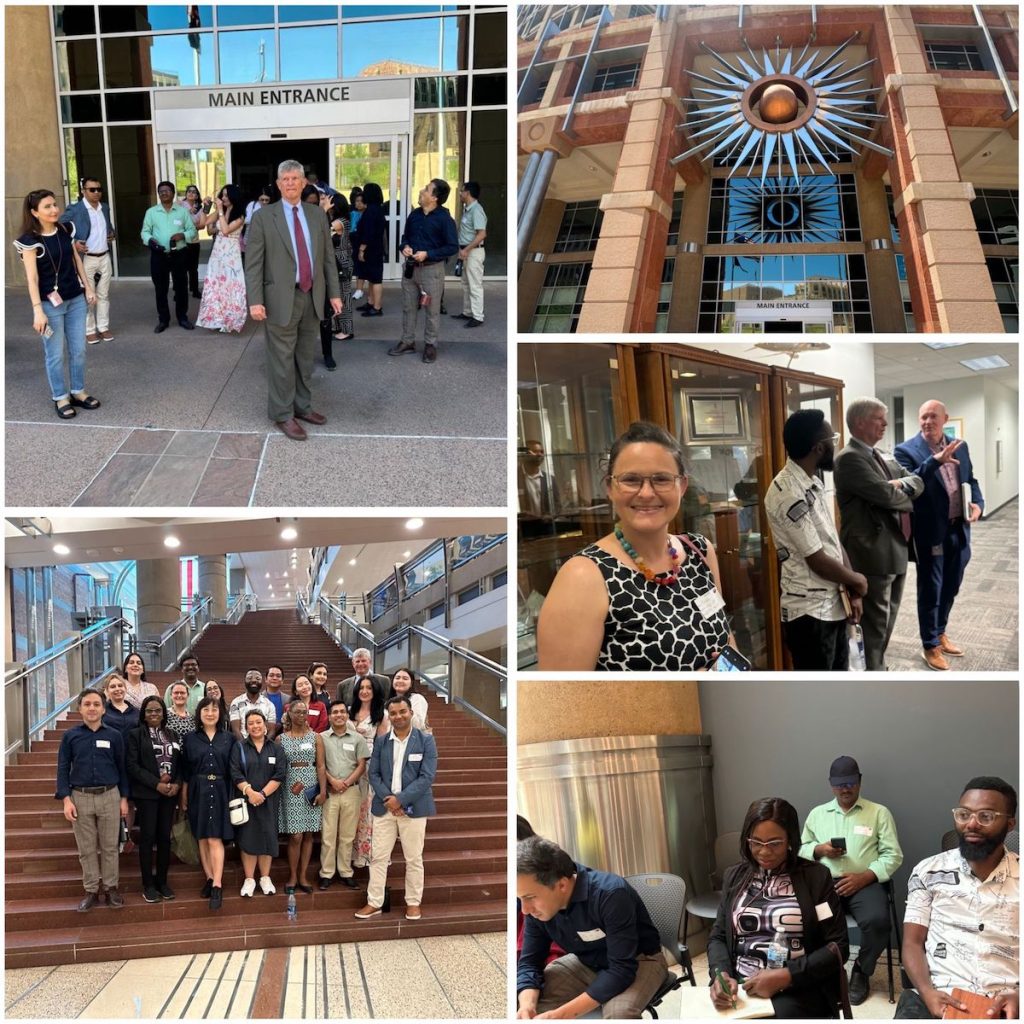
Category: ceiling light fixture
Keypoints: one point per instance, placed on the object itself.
(172, 542)
(351, 561)
(61, 549)
(413, 524)
(984, 363)
(289, 533)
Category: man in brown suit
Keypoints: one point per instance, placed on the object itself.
(289, 271)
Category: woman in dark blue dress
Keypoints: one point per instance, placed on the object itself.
(206, 758)
(369, 247)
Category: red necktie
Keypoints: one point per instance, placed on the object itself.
(904, 516)
(305, 270)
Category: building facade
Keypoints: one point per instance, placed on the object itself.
(756, 169)
(214, 94)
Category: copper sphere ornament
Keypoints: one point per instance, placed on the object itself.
(778, 104)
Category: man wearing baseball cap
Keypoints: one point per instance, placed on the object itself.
(856, 840)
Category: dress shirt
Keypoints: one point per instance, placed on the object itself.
(948, 473)
(473, 219)
(870, 833)
(195, 694)
(122, 721)
(398, 756)
(343, 753)
(161, 224)
(289, 219)
(241, 706)
(432, 233)
(800, 515)
(973, 926)
(89, 757)
(97, 240)
(605, 924)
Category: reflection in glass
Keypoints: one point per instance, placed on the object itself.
(441, 91)
(155, 17)
(245, 14)
(247, 58)
(487, 165)
(128, 106)
(142, 61)
(73, 20)
(308, 54)
(77, 67)
(307, 12)
(134, 189)
(437, 147)
(489, 40)
(489, 90)
(85, 155)
(390, 10)
(424, 569)
(79, 109)
(356, 163)
(398, 47)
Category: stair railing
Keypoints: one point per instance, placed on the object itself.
(238, 605)
(32, 701)
(460, 675)
(180, 636)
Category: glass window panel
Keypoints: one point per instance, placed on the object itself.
(439, 142)
(356, 163)
(77, 66)
(859, 289)
(1003, 217)
(80, 108)
(826, 267)
(247, 57)
(244, 14)
(84, 151)
(308, 54)
(489, 90)
(488, 167)
(771, 268)
(74, 20)
(857, 267)
(154, 17)
(162, 61)
(442, 91)
(389, 47)
(390, 10)
(135, 177)
(792, 268)
(307, 12)
(489, 40)
(128, 106)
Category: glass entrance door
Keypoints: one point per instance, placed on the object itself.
(809, 325)
(382, 161)
(205, 167)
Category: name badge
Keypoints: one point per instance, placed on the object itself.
(175, 746)
(348, 746)
(710, 602)
(862, 830)
(271, 760)
(314, 711)
(823, 911)
(595, 935)
(103, 743)
(415, 757)
(305, 746)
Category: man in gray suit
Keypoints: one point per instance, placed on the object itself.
(362, 660)
(289, 271)
(876, 496)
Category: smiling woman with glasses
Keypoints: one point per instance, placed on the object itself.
(777, 917)
(640, 599)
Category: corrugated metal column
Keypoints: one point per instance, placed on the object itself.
(529, 212)
(1011, 98)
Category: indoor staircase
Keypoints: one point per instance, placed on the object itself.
(464, 855)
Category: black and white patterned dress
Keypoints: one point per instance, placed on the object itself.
(651, 627)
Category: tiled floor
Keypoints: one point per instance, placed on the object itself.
(451, 977)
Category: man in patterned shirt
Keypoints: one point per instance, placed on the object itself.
(814, 567)
(962, 925)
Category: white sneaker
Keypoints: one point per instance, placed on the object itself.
(266, 886)
(248, 886)
(358, 293)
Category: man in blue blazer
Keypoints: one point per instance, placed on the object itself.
(93, 234)
(402, 770)
(941, 526)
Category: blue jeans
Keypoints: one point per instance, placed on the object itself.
(68, 324)
(940, 571)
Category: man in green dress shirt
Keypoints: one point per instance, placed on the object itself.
(872, 854)
(167, 229)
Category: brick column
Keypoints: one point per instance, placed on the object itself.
(950, 285)
(622, 294)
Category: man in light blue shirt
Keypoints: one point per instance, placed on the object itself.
(167, 230)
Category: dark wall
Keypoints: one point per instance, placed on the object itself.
(917, 743)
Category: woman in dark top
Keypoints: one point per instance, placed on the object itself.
(369, 247)
(59, 290)
(317, 673)
(213, 690)
(770, 888)
(153, 761)
(258, 770)
(206, 757)
(119, 714)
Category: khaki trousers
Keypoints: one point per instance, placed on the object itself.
(290, 353)
(97, 829)
(341, 816)
(97, 317)
(473, 284)
(568, 977)
(431, 280)
(412, 832)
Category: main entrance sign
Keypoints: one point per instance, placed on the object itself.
(793, 110)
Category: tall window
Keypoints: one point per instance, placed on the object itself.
(664, 296)
(1005, 275)
(580, 227)
(908, 309)
(953, 56)
(996, 215)
(561, 298)
(616, 76)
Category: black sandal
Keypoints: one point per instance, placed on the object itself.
(65, 412)
(86, 403)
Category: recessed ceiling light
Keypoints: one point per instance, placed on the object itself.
(413, 524)
(287, 586)
(984, 363)
(341, 579)
(351, 561)
(289, 533)
(266, 575)
(406, 554)
(942, 344)
(687, 373)
(285, 575)
(117, 551)
(61, 549)
(172, 542)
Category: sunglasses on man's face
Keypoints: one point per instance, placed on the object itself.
(94, 190)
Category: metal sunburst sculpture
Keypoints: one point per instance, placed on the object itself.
(810, 109)
(783, 210)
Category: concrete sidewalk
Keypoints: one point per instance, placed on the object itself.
(184, 419)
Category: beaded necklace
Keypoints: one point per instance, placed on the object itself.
(662, 579)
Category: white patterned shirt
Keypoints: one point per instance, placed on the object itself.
(973, 926)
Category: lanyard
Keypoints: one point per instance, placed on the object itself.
(60, 259)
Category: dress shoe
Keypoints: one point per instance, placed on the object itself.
(92, 338)
(316, 418)
(206, 889)
(324, 884)
(367, 912)
(114, 899)
(165, 891)
(161, 327)
(106, 336)
(330, 363)
(150, 895)
(216, 897)
(429, 354)
(474, 323)
(292, 430)
(374, 312)
(90, 901)
(401, 350)
(413, 914)
(350, 882)
(363, 308)
(307, 889)
(949, 648)
(187, 324)
(859, 986)
(460, 316)
(934, 659)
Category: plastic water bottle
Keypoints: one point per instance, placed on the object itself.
(293, 910)
(856, 635)
(778, 951)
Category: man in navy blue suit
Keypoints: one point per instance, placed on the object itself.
(941, 527)
(402, 770)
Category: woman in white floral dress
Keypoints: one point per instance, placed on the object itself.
(224, 305)
(367, 715)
